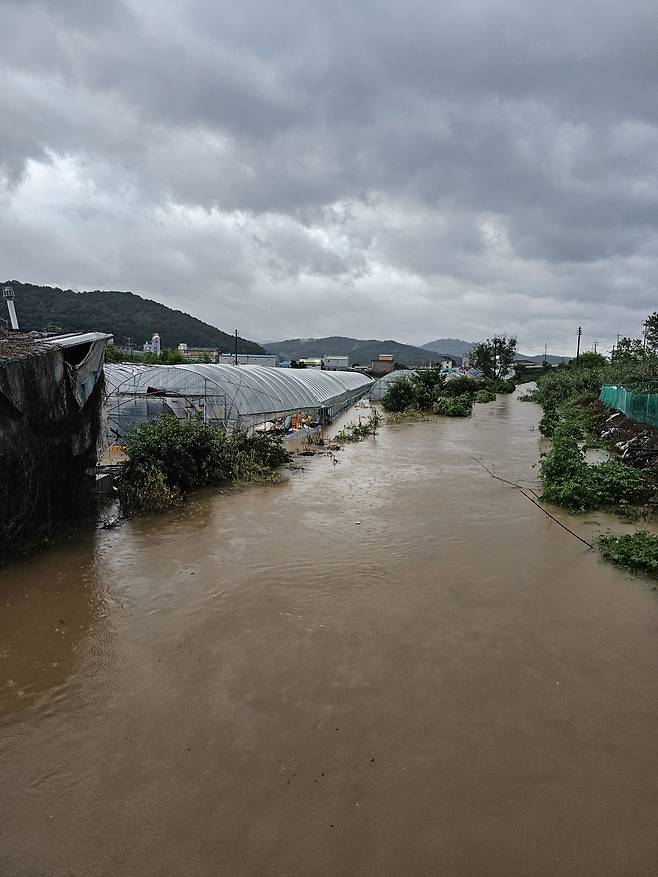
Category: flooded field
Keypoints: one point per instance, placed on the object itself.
(394, 665)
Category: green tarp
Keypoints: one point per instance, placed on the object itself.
(637, 406)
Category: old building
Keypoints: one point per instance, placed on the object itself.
(51, 397)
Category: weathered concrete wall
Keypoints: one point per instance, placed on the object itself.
(50, 417)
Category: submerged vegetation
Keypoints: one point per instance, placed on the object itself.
(429, 392)
(568, 480)
(171, 457)
(574, 419)
(569, 399)
(356, 432)
(635, 551)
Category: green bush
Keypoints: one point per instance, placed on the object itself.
(427, 387)
(500, 385)
(569, 481)
(422, 392)
(399, 395)
(428, 392)
(635, 551)
(561, 384)
(171, 456)
(144, 488)
(458, 406)
(462, 385)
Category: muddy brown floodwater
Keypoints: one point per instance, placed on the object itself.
(389, 666)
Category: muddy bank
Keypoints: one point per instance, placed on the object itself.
(255, 684)
(635, 443)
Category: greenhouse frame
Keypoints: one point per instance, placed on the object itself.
(225, 395)
(379, 387)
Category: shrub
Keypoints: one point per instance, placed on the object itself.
(459, 406)
(501, 385)
(635, 551)
(144, 488)
(569, 481)
(427, 387)
(171, 456)
(463, 386)
(425, 390)
(190, 453)
(399, 395)
(485, 396)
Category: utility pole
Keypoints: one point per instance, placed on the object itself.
(545, 350)
(236, 346)
(580, 332)
(614, 348)
(595, 345)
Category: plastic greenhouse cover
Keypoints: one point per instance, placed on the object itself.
(379, 387)
(246, 391)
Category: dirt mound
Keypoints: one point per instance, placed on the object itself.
(636, 443)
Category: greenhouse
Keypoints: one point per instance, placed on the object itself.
(226, 395)
(378, 389)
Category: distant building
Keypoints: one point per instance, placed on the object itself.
(336, 363)
(153, 346)
(311, 363)
(268, 360)
(203, 353)
(384, 364)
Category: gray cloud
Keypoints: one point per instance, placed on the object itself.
(381, 169)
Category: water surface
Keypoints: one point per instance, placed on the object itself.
(394, 665)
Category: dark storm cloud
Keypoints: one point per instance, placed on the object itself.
(298, 166)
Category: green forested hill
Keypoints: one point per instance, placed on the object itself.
(124, 314)
(360, 351)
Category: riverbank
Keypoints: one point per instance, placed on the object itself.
(385, 666)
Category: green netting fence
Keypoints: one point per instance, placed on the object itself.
(641, 406)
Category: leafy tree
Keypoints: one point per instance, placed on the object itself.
(494, 356)
(590, 360)
(427, 388)
(112, 354)
(651, 331)
(170, 357)
(399, 395)
(628, 350)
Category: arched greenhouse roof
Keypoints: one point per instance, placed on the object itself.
(381, 386)
(231, 394)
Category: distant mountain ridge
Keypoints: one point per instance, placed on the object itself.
(123, 314)
(359, 351)
(455, 346)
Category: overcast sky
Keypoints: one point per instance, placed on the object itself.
(411, 170)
